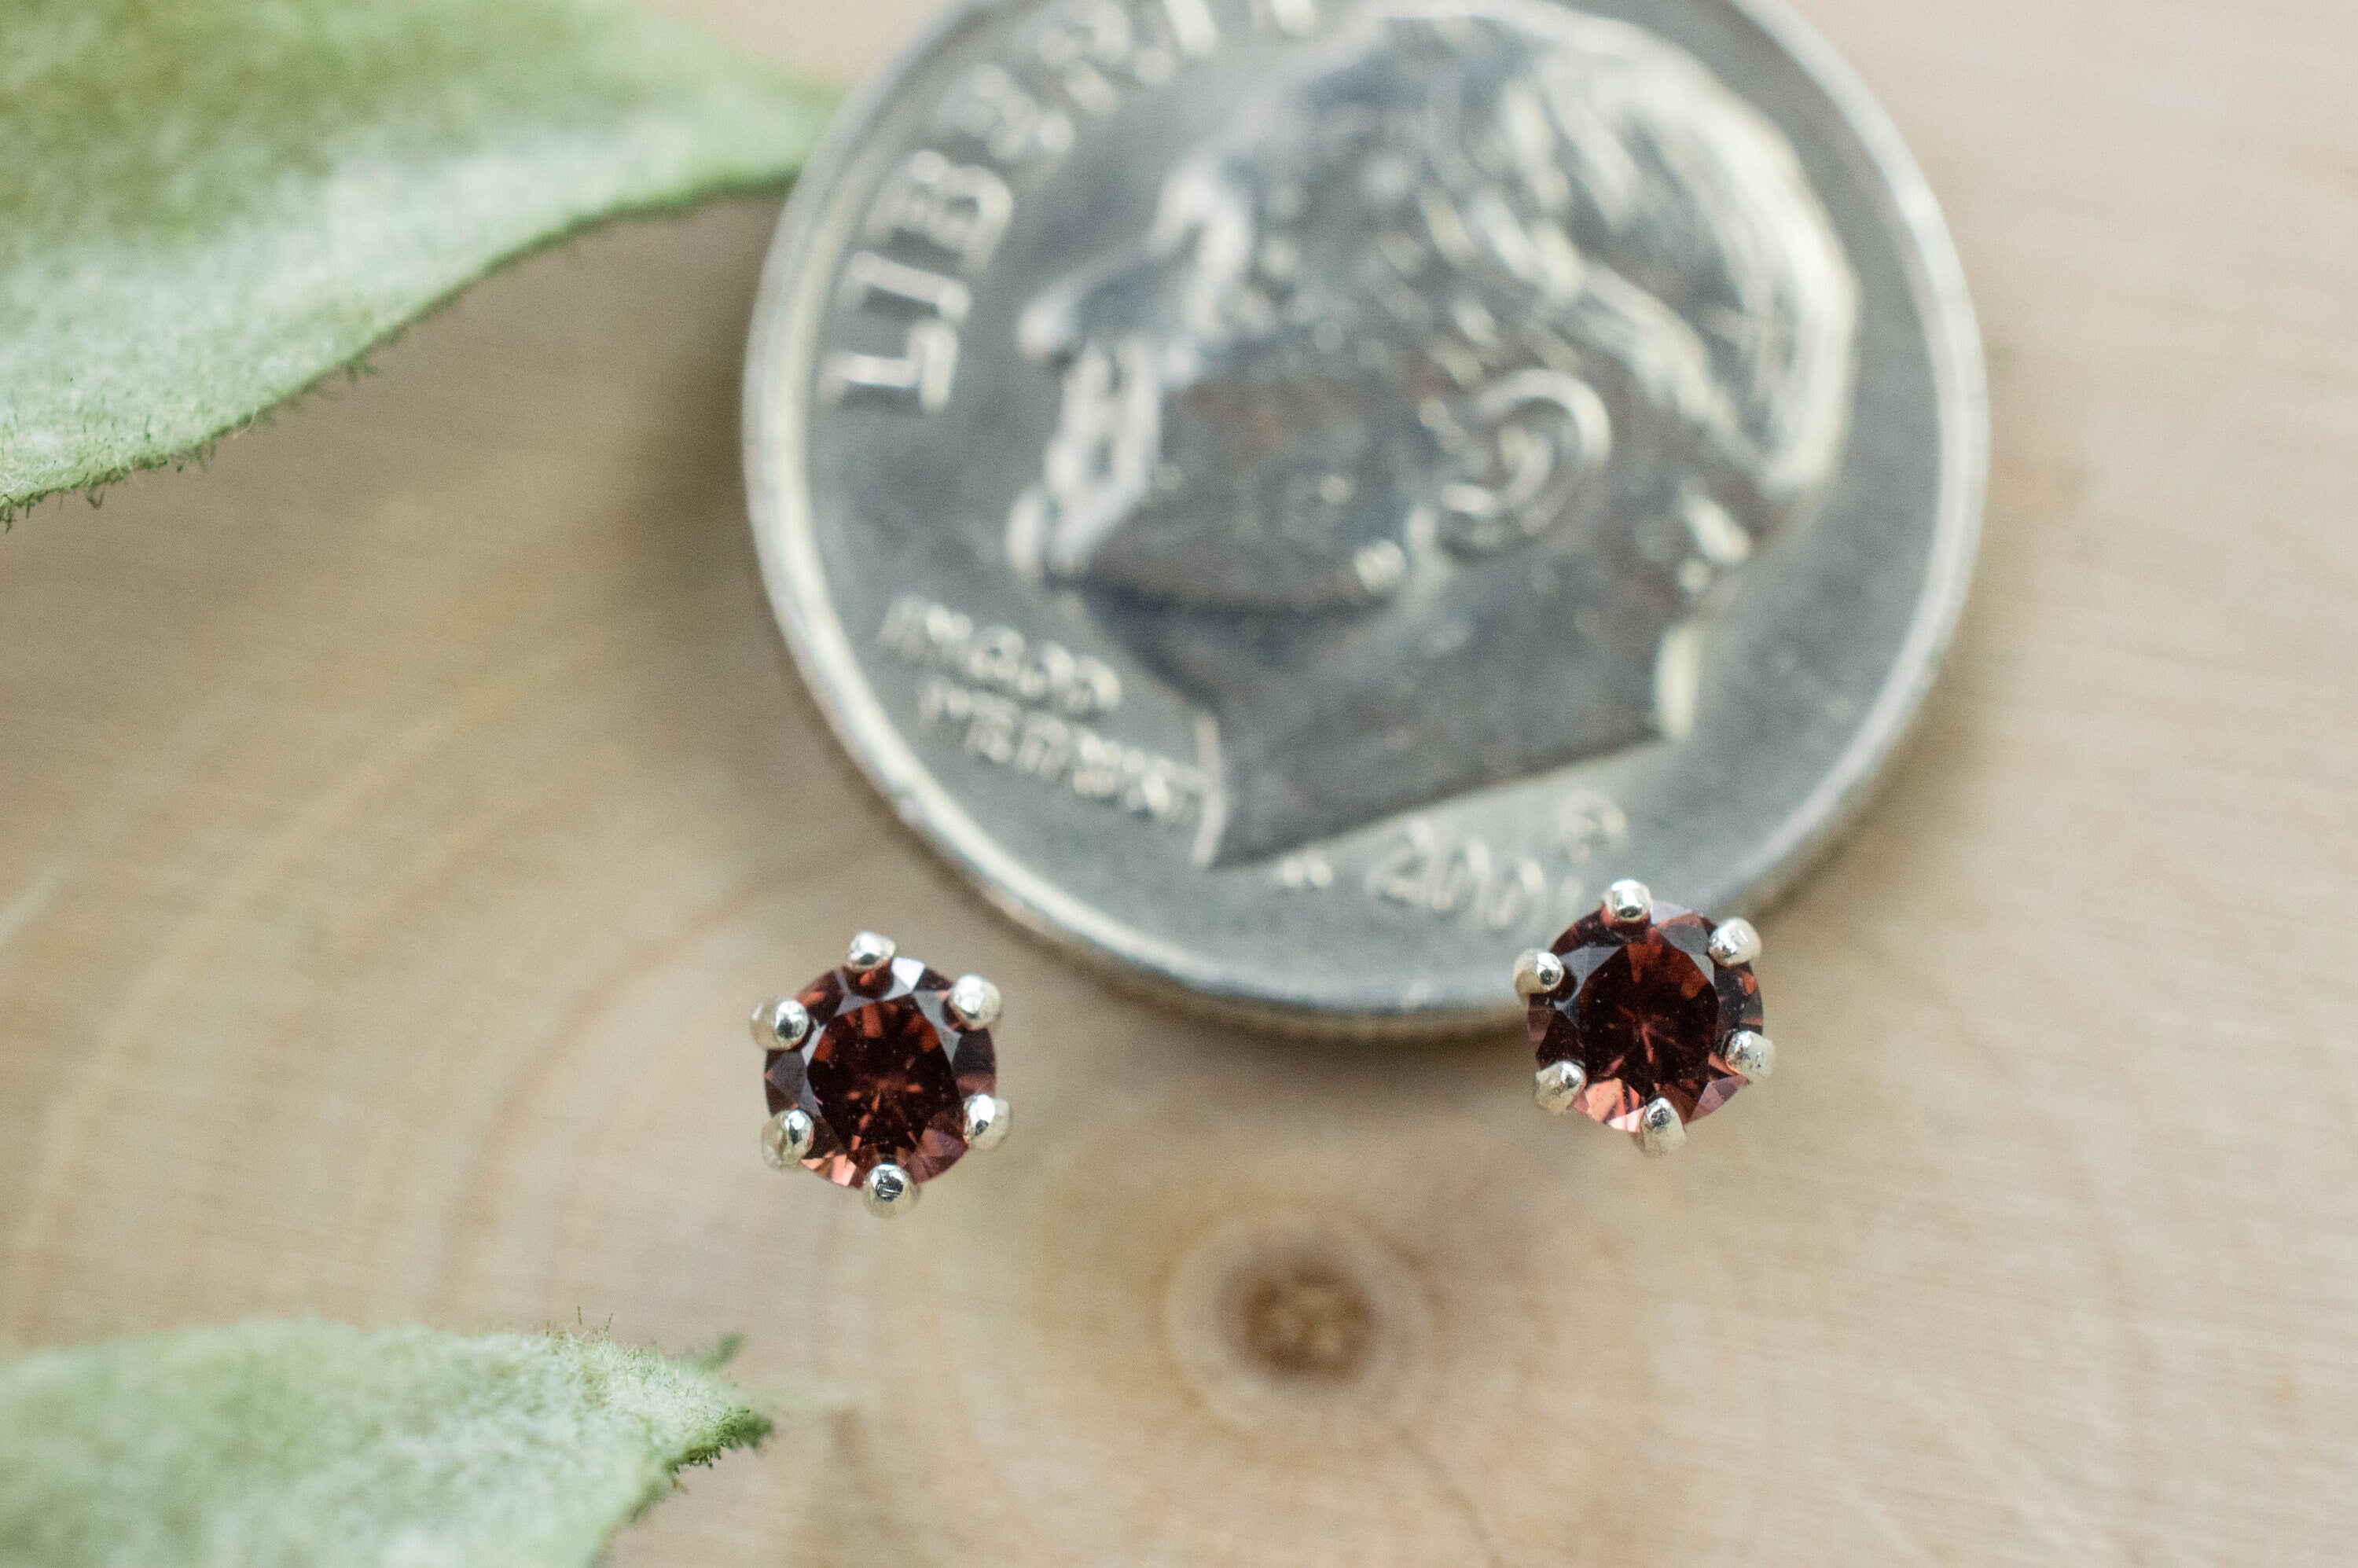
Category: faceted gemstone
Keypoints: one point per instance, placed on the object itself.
(885, 1073)
(1646, 1012)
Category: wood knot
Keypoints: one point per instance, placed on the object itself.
(1299, 1322)
(1307, 1321)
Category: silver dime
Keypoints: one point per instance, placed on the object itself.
(1293, 496)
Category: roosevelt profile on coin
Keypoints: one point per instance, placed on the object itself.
(1453, 385)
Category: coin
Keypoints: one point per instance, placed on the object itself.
(1293, 496)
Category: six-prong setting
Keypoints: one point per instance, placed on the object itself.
(1628, 902)
(870, 952)
(974, 1001)
(781, 1024)
(881, 1074)
(986, 1122)
(1646, 1016)
(786, 1137)
(1659, 1129)
(891, 1190)
(927, 1049)
(1752, 1054)
(1734, 942)
(1538, 973)
(1556, 1087)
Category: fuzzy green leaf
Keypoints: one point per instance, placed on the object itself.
(309, 1446)
(206, 205)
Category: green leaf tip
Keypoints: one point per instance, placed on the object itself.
(279, 1445)
(207, 205)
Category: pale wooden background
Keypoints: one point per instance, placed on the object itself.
(397, 818)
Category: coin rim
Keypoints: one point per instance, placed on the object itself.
(793, 579)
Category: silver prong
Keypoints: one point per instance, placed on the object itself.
(1734, 943)
(1752, 1054)
(986, 1122)
(870, 952)
(891, 1192)
(786, 1137)
(1557, 1085)
(1537, 972)
(1628, 902)
(974, 1001)
(780, 1025)
(1659, 1131)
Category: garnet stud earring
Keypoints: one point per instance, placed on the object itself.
(1645, 1016)
(881, 1074)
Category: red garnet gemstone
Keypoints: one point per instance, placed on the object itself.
(1646, 1012)
(885, 1073)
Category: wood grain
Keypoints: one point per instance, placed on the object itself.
(397, 816)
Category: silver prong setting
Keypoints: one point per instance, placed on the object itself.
(1659, 1131)
(1736, 942)
(786, 1137)
(1752, 1054)
(974, 1001)
(868, 953)
(891, 1190)
(1628, 902)
(986, 1122)
(1538, 973)
(782, 1023)
(1557, 1085)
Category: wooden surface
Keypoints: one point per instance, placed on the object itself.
(397, 817)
